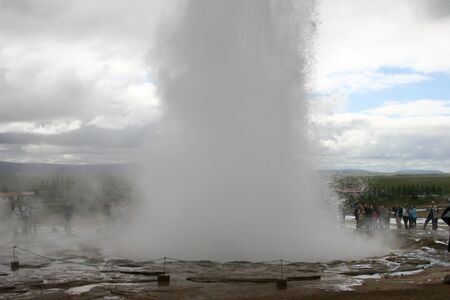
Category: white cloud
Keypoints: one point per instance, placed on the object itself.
(50, 128)
(364, 81)
(69, 80)
(75, 78)
(45, 153)
(134, 105)
(80, 60)
(418, 108)
(356, 38)
(393, 136)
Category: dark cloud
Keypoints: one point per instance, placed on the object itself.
(60, 154)
(85, 136)
(434, 9)
(79, 19)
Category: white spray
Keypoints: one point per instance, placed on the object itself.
(226, 177)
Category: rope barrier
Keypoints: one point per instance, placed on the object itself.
(289, 262)
(164, 260)
(49, 258)
(36, 254)
(268, 261)
(177, 260)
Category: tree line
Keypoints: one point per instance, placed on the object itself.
(405, 190)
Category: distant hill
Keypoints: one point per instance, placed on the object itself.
(419, 172)
(356, 172)
(353, 172)
(38, 169)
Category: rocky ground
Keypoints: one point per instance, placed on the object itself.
(415, 271)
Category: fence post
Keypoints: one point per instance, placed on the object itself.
(15, 263)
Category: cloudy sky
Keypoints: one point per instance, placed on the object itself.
(76, 87)
(383, 76)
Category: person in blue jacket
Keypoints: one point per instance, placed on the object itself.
(412, 217)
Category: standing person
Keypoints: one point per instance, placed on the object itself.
(361, 216)
(25, 218)
(446, 218)
(398, 216)
(17, 216)
(412, 217)
(432, 216)
(406, 216)
(68, 213)
(367, 216)
(343, 211)
(375, 217)
(384, 217)
(34, 217)
(356, 213)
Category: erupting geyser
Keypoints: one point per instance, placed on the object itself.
(226, 176)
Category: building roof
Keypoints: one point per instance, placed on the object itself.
(352, 190)
(27, 194)
(8, 195)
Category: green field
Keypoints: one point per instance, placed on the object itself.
(386, 189)
(442, 181)
(397, 189)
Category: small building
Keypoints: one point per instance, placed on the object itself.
(27, 195)
(7, 203)
(356, 192)
(9, 196)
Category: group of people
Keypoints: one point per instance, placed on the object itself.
(369, 216)
(407, 213)
(23, 217)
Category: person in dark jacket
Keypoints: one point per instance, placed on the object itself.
(398, 212)
(356, 213)
(68, 214)
(433, 215)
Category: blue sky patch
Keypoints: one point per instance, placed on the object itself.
(438, 87)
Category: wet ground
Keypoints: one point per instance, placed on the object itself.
(75, 270)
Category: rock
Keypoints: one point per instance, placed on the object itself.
(406, 268)
(61, 284)
(281, 284)
(307, 267)
(238, 262)
(34, 266)
(447, 279)
(365, 272)
(418, 262)
(134, 272)
(124, 263)
(304, 278)
(206, 263)
(252, 279)
(222, 279)
(335, 263)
